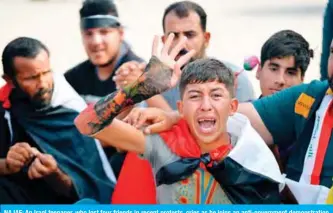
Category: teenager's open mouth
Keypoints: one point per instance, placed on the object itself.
(207, 125)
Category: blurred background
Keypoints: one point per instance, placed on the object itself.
(238, 27)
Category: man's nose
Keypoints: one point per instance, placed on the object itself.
(42, 82)
(279, 79)
(96, 39)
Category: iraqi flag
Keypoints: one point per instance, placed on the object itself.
(249, 173)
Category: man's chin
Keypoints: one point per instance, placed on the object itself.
(207, 138)
(101, 61)
(41, 104)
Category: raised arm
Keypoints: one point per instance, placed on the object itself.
(161, 73)
(128, 73)
(250, 111)
(272, 117)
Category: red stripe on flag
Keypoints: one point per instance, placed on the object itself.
(136, 184)
(322, 146)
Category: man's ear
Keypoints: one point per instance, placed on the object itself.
(121, 32)
(180, 107)
(233, 106)
(258, 72)
(207, 38)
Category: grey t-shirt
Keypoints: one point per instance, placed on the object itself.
(199, 188)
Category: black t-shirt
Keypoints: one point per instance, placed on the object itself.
(84, 79)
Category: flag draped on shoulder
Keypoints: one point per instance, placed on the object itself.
(249, 174)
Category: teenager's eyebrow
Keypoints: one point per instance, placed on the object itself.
(291, 68)
(193, 91)
(217, 89)
(273, 64)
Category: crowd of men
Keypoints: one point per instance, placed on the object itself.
(182, 128)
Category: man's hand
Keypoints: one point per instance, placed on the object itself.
(161, 74)
(18, 156)
(159, 71)
(44, 165)
(153, 120)
(128, 73)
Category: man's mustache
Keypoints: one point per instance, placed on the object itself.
(42, 92)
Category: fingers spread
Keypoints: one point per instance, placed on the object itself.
(167, 45)
(154, 51)
(185, 58)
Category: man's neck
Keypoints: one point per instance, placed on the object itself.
(208, 147)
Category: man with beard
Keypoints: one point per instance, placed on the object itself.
(43, 158)
(188, 19)
(300, 119)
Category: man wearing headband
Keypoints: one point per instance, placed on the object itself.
(102, 35)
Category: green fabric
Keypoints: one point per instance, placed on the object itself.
(277, 113)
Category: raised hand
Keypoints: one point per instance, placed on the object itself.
(161, 73)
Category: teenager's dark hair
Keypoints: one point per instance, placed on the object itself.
(20, 47)
(287, 43)
(182, 10)
(98, 7)
(207, 70)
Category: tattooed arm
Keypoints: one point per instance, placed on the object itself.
(161, 73)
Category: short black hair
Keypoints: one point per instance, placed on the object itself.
(182, 10)
(20, 47)
(98, 7)
(287, 43)
(207, 70)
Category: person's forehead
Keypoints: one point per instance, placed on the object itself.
(204, 86)
(31, 66)
(175, 23)
(283, 62)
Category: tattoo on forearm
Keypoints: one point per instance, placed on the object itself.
(153, 81)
